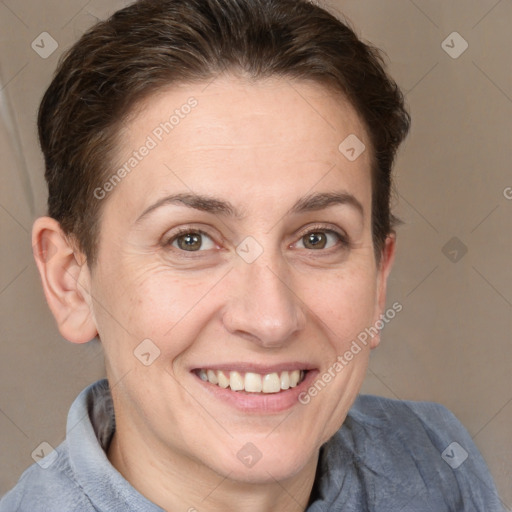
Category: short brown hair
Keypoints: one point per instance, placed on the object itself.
(153, 44)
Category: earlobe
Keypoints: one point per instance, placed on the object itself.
(65, 279)
(386, 263)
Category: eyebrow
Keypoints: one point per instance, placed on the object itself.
(309, 203)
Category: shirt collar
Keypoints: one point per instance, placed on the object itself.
(90, 425)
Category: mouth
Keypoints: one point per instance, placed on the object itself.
(253, 382)
(257, 389)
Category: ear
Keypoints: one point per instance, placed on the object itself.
(386, 262)
(66, 280)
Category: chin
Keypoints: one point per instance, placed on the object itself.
(263, 461)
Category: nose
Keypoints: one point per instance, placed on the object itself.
(263, 306)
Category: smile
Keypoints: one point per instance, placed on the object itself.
(251, 382)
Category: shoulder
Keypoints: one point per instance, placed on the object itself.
(419, 448)
(432, 419)
(414, 429)
(47, 486)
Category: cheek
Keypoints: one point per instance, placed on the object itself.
(150, 303)
(344, 302)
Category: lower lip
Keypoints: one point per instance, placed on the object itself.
(260, 402)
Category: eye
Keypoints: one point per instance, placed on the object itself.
(191, 241)
(318, 239)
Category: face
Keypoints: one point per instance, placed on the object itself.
(239, 247)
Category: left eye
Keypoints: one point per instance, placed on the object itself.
(319, 240)
(193, 241)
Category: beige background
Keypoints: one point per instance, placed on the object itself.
(452, 341)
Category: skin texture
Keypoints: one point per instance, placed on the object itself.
(261, 146)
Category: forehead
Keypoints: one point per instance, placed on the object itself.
(278, 137)
(228, 102)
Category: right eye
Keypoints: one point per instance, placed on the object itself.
(191, 241)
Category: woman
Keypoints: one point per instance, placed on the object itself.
(219, 177)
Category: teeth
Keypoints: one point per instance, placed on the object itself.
(294, 378)
(253, 382)
(236, 381)
(212, 377)
(285, 380)
(223, 380)
(271, 383)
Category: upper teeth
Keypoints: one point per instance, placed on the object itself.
(253, 382)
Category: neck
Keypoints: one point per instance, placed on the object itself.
(174, 482)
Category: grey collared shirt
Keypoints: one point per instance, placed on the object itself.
(389, 456)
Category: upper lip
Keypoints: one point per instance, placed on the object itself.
(262, 369)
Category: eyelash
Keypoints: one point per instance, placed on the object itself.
(185, 231)
(343, 239)
(344, 242)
